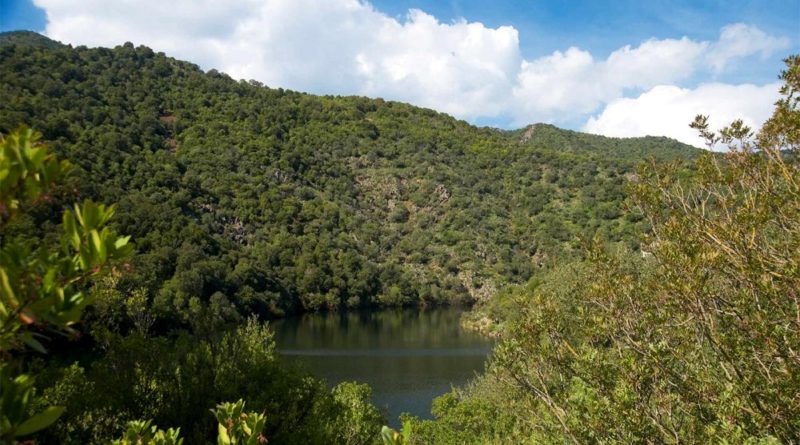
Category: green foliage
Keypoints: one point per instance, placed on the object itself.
(250, 200)
(544, 135)
(358, 421)
(235, 426)
(143, 433)
(483, 412)
(691, 341)
(238, 427)
(17, 395)
(392, 437)
(176, 381)
(280, 201)
(27, 38)
(41, 284)
(27, 171)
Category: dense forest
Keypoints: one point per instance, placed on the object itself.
(642, 291)
(274, 201)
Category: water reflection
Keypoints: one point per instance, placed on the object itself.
(407, 356)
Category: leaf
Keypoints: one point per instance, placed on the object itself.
(40, 421)
(99, 247)
(71, 230)
(49, 280)
(79, 215)
(84, 259)
(7, 291)
(222, 435)
(37, 155)
(388, 435)
(406, 430)
(121, 242)
(33, 343)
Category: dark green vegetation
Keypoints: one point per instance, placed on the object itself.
(244, 200)
(695, 342)
(272, 201)
(47, 282)
(41, 285)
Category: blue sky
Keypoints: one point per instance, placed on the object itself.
(603, 25)
(613, 67)
(17, 14)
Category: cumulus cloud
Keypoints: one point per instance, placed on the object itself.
(668, 110)
(740, 40)
(331, 47)
(573, 82)
(348, 47)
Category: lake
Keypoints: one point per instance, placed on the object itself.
(407, 356)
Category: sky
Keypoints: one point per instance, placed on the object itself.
(612, 67)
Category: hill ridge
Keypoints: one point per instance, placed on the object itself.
(270, 201)
(28, 38)
(36, 39)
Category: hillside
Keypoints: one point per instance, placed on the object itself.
(264, 200)
(29, 39)
(622, 149)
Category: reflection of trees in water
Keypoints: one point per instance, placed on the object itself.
(399, 328)
(407, 356)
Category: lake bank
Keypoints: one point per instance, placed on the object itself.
(407, 356)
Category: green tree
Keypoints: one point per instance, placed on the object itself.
(696, 343)
(320, 194)
(42, 285)
(358, 421)
(692, 340)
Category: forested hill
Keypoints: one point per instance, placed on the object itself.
(239, 196)
(601, 147)
(28, 38)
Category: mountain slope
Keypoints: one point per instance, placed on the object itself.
(659, 148)
(28, 38)
(247, 198)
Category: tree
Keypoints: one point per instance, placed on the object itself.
(693, 340)
(42, 289)
(697, 343)
(358, 420)
(41, 286)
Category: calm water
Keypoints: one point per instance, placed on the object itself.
(408, 357)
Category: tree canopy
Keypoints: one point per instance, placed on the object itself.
(641, 290)
(693, 341)
(274, 201)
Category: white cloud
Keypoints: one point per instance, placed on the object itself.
(461, 68)
(333, 47)
(573, 82)
(348, 47)
(668, 110)
(654, 62)
(740, 40)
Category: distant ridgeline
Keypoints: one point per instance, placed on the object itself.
(268, 201)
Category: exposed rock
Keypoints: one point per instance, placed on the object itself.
(528, 133)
